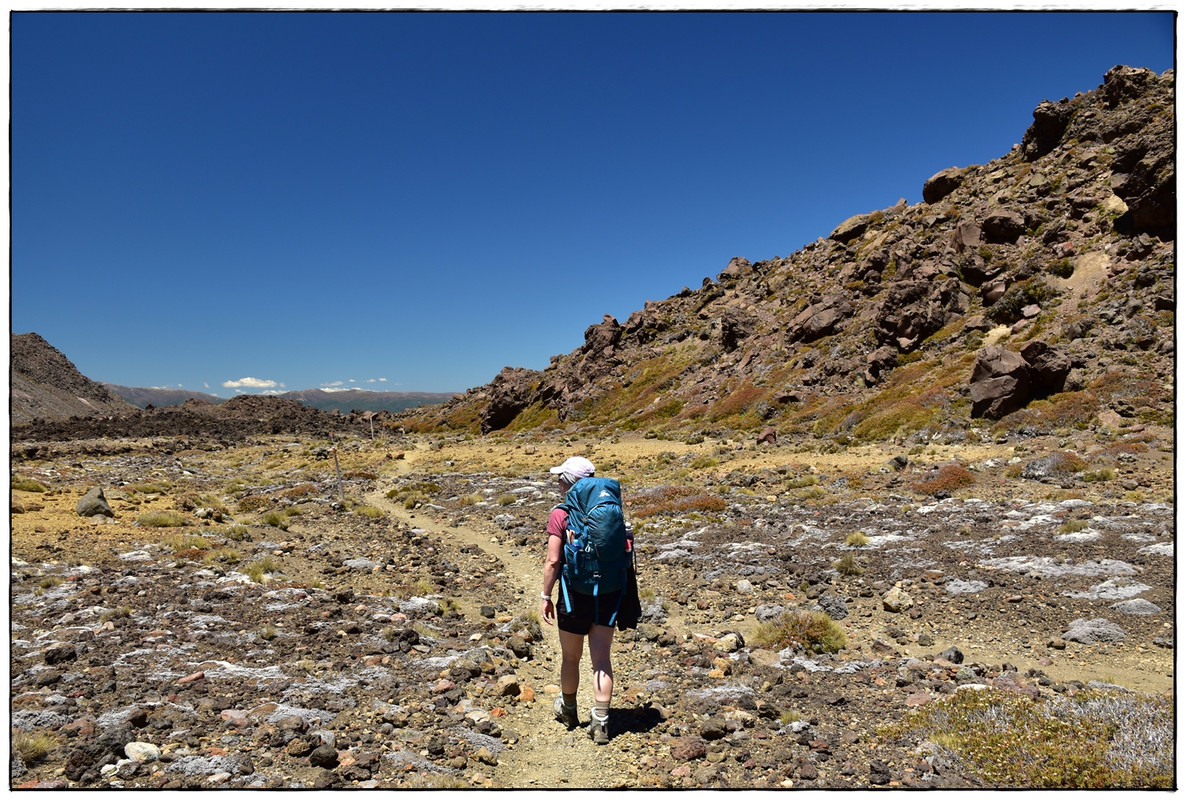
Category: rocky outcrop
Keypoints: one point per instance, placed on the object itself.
(1003, 381)
(909, 311)
(1069, 238)
(1050, 123)
(1049, 367)
(819, 319)
(1000, 383)
(508, 395)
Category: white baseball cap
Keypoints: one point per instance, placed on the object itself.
(574, 469)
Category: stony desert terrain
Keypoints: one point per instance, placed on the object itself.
(292, 629)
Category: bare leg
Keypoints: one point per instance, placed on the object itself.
(571, 646)
(600, 639)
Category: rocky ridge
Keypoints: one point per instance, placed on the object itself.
(1046, 274)
(44, 383)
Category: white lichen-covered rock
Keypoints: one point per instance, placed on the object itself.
(896, 600)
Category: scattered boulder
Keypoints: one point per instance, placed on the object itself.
(1090, 631)
(851, 228)
(1000, 384)
(819, 319)
(896, 600)
(880, 361)
(942, 184)
(737, 267)
(1049, 367)
(94, 503)
(736, 325)
(1053, 466)
(1003, 227)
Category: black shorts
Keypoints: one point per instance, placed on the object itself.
(586, 610)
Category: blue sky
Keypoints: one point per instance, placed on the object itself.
(412, 201)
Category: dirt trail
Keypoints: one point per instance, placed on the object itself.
(547, 755)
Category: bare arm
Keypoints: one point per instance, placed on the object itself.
(551, 575)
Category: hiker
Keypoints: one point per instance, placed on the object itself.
(579, 612)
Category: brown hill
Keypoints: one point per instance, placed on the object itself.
(1030, 294)
(47, 384)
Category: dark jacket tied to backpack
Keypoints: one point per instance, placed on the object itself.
(599, 551)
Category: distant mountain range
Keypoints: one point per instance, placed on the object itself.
(341, 401)
(45, 385)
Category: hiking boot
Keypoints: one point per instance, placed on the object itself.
(565, 714)
(599, 729)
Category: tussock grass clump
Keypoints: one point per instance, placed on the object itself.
(949, 478)
(847, 565)
(239, 533)
(370, 511)
(1073, 526)
(413, 495)
(674, 500)
(506, 499)
(278, 519)
(258, 570)
(1099, 475)
(27, 485)
(1092, 740)
(185, 542)
(414, 500)
(33, 746)
(122, 612)
(812, 631)
(470, 499)
(162, 519)
(856, 539)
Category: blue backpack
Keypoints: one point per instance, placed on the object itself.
(598, 558)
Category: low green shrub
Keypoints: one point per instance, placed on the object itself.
(1091, 740)
(27, 485)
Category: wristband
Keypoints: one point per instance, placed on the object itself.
(543, 596)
